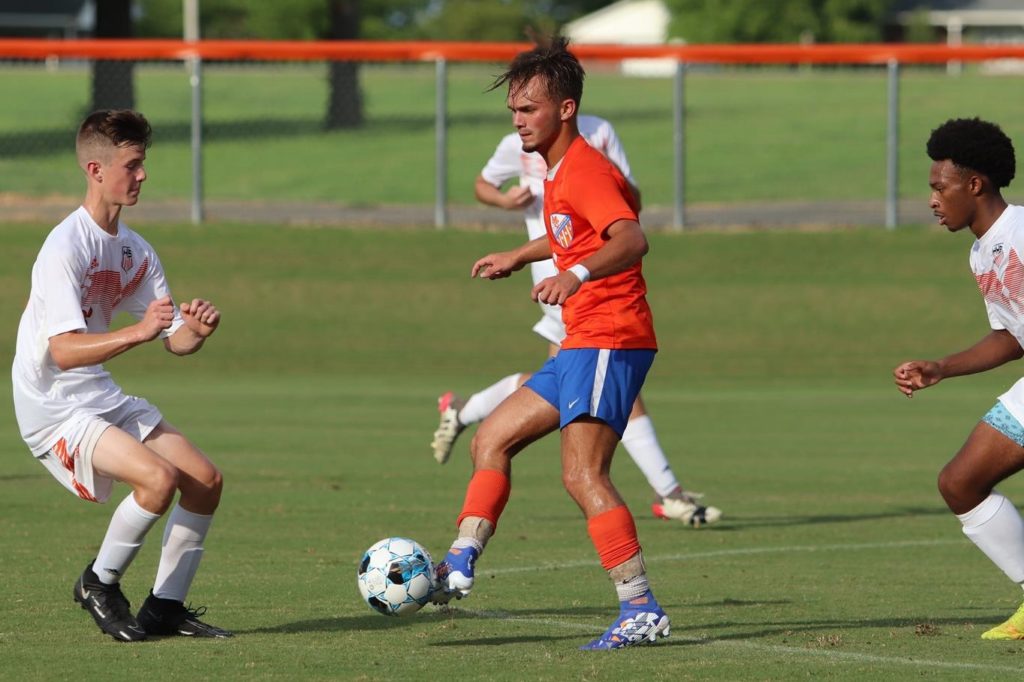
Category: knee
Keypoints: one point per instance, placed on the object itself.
(957, 490)
(487, 453)
(578, 481)
(211, 485)
(159, 486)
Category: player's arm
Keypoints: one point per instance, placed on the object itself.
(504, 263)
(626, 245)
(997, 348)
(81, 349)
(201, 319)
(516, 198)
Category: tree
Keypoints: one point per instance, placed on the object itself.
(113, 85)
(345, 98)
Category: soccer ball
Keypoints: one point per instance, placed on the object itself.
(396, 576)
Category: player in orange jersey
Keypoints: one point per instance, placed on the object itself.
(588, 389)
(78, 423)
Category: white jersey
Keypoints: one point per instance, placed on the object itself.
(510, 161)
(996, 261)
(82, 277)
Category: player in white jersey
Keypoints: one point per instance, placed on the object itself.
(78, 423)
(509, 162)
(972, 161)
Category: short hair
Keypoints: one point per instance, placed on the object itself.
(560, 69)
(111, 128)
(971, 143)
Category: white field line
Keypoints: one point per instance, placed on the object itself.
(718, 553)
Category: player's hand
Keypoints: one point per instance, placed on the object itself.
(201, 316)
(158, 316)
(915, 375)
(496, 265)
(518, 198)
(555, 290)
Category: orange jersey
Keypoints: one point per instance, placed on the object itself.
(587, 195)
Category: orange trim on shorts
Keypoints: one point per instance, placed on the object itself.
(614, 536)
(486, 496)
(60, 451)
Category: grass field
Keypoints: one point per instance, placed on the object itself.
(836, 557)
(752, 134)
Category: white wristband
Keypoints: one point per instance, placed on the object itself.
(581, 272)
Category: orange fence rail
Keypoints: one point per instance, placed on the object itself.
(364, 50)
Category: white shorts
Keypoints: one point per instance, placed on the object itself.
(70, 459)
(550, 326)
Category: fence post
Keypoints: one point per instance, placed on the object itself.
(441, 144)
(892, 165)
(679, 147)
(194, 67)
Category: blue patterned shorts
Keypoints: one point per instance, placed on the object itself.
(1000, 419)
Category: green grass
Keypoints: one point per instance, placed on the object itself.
(772, 392)
(752, 135)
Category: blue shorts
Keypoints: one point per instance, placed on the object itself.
(600, 383)
(1000, 419)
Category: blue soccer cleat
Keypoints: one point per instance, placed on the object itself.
(454, 575)
(640, 621)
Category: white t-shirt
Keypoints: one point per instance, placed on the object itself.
(510, 161)
(82, 277)
(996, 261)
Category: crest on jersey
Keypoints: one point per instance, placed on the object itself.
(126, 258)
(561, 229)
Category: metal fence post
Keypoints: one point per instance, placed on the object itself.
(441, 145)
(892, 161)
(195, 79)
(679, 147)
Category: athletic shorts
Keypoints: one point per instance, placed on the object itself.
(600, 383)
(1000, 419)
(70, 459)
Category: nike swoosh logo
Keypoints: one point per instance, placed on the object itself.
(572, 403)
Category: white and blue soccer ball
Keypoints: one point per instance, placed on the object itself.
(396, 576)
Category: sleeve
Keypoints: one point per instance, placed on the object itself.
(616, 153)
(60, 280)
(152, 286)
(598, 198)
(993, 317)
(504, 164)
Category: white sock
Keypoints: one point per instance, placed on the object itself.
(125, 535)
(996, 527)
(482, 403)
(642, 445)
(182, 550)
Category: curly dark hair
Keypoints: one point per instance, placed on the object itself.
(561, 71)
(975, 144)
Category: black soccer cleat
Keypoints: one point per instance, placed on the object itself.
(168, 617)
(108, 607)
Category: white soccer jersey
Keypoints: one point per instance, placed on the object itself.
(996, 261)
(510, 161)
(82, 277)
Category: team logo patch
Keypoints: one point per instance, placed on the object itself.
(126, 258)
(561, 229)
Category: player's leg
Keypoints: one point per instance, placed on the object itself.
(113, 454)
(520, 420)
(671, 500)
(993, 452)
(200, 483)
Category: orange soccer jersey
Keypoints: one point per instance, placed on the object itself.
(587, 195)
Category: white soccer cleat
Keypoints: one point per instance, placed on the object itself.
(686, 509)
(449, 427)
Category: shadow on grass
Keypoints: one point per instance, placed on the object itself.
(784, 628)
(740, 522)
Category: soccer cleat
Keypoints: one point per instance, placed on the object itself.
(454, 575)
(1011, 629)
(108, 607)
(640, 621)
(686, 509)
(449, 428)
(169, 617)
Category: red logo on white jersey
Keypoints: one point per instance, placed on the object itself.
(561, 229)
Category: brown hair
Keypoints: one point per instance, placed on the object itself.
(111, 128)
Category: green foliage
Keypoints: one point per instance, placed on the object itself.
(781, 21)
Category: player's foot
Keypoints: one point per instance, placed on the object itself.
(168, 617)
(449, 428)
(686, 508)
(1011, 629)
(640, 621)
(108, 607)
(454, 575)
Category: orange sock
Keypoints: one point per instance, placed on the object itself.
(486, 496)
(614, 536)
